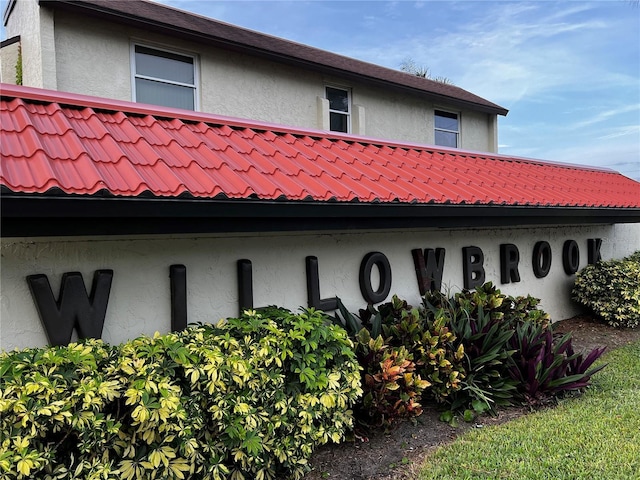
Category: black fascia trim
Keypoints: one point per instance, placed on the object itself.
(41, 215)
(105, 12)
(10, 41)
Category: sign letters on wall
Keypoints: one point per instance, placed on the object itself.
(74, 308)
(429, 268)
(541, 259)
(509, 259)
(472, 267)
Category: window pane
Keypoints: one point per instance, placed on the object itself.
(338, 99)
(447, 121)
(164, 65)
(446, 139)
(158, 93)
(337, 122)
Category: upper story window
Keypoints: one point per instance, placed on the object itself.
(339, 109)
(164, 78)
(447, 129)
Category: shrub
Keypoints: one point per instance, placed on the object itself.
(510, 310)
(404, 357)
(430, 341)
(545, 367)
(510, 350)
(611, 289)
(483, 321)
(488, 358)
(248, 398)
(391, 387)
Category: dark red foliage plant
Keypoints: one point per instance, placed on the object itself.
(545, 366)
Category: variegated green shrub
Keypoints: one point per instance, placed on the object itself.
(248, 398)
(611, 289)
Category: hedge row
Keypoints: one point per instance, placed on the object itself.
(469, 353)
(249, 398)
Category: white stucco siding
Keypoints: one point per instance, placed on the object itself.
(249, 87)
(140, 294)
(35, 26)
(395, 116)
(625, 239)
(476, 132)
(9, 58)
(93, 57)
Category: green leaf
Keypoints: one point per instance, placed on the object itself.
(252, 443)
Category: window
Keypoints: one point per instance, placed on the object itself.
(339, 109)
(447, 130)
(164, 78)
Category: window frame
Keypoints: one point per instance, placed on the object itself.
(349, 111)
(458, 115)
(162, 49)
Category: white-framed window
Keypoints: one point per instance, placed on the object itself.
(339, 109)
(447, 129)
(163, 77)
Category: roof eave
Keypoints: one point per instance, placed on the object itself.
(26, 215)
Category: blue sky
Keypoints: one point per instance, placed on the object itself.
(569, 72)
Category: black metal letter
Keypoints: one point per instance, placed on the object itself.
(472, 267)
(509, 258)
(382, 262)
(570, 257)
(245, 285)
(541, 259)
(313, 288)
(178, 278)
(429, 273)
(74, 308)
(594, 245)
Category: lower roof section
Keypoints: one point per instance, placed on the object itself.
(78, 165)
(41, 215)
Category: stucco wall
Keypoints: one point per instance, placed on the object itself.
(35, 26)
(93, 57)
(140, 293)
(9, 58)
(624, 240)
(476, 132)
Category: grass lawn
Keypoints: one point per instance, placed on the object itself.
(594, 436)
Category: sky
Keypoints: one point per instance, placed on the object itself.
(568, 71)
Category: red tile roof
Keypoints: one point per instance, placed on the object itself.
(85, 145)
(179, 23)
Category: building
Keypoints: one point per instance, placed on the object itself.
(184, 215)
(147, 52)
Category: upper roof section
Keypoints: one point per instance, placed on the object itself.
(85, 145)
(178, 23)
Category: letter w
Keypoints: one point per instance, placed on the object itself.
(74, 308)
(429, 272)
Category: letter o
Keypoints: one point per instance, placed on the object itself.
(570, 257)
(541, 259)
(381, 261)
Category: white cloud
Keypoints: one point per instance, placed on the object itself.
(604, 116)
(623, 131)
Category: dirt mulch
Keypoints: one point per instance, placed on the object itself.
(394, 455)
